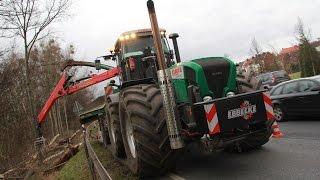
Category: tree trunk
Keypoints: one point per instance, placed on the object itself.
(52, 125)
(65, 112)
(59, 116)
(32, 116)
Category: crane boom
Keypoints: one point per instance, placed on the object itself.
(62, 88)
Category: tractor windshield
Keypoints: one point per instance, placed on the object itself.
(137, 46)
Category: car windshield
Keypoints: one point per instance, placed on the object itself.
(279, 74)
(264, 77)
(137, 46)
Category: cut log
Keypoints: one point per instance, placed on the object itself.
(54, 139)
(71, 151)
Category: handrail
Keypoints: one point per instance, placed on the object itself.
(94, 163)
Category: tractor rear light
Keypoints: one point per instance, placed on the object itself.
(132, 63)
(207, 98)
(108, 90)
(189, 111)
(230, 94)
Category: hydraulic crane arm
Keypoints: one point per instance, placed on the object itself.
(62, 88)
(84, 63)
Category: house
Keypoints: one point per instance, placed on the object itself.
(263, 62)
(290, 56)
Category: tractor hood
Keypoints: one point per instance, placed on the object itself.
(215, 76)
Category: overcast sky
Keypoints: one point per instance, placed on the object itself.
(206, 27)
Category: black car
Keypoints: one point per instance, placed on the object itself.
(271, 79)
(296, 98)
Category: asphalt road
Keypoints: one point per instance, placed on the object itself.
(295, 156)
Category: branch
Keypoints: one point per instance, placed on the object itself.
(52, 14)
(30, 13)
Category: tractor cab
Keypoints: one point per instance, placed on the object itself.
(136, 54)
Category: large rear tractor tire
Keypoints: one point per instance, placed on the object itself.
(144, 131)
(114, 129)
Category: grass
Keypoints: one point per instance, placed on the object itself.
(77, 168)
(117, 170)
(295, 75)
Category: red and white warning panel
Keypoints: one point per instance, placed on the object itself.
(268, 105)
(237, 112)
(212, 118)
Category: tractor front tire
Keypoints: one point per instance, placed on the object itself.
(144, 131)
(114, 129)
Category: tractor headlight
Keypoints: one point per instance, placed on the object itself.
(133, 35)
(229, 94)
(207, 98)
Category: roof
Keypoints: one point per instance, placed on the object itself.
(137, 32)
(141, 32)
(294, 80)
(94, 105)
(292, 49)
(94, 111)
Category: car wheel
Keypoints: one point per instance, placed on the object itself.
(278, 113)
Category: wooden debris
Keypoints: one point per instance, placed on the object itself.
(53, 139)
(71, 151)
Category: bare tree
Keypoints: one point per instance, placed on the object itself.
(256, 51)
(255, 47)
(29, 20)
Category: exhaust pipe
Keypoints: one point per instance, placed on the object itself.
(174, 37)
(169, 104)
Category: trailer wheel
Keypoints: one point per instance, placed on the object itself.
(144, 131)
(114, 129)
(279, 114)
(252, 142)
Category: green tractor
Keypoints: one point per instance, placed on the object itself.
(161, 104)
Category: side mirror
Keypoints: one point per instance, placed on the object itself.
(107, 57)
(112, 82)
(97, 64)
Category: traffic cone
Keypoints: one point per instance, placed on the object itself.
(276, 130)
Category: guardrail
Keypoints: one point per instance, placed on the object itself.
(95, 166)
